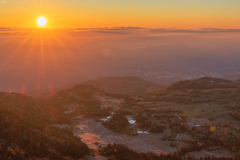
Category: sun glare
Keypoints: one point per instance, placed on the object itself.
(41, 21)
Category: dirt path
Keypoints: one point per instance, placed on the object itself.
(95, 135)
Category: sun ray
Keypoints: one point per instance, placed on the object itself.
(64, 46)
(35, 37)
(53, 53)
(42, 69)
(17, 50)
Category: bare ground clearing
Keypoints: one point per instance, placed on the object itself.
(94, 135)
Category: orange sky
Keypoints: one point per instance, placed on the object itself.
(108, 13)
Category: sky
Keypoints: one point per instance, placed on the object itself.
(160, 41)
(184, 14)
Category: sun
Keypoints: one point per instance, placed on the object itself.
(41, 21)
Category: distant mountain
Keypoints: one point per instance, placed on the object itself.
(203, 83)
(238, 80)
(123, 85)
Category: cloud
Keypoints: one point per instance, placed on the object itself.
(126, 30)
(202, 30)
(5, 28)
(12, 30)
(116, 30)
(141, 31)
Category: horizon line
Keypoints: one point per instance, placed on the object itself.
(129, 28)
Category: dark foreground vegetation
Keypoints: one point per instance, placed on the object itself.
(117, 123)
(121, 152)
(26, 130)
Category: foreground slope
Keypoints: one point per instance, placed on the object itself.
(27, 130)
(123, 85)
(203, 84)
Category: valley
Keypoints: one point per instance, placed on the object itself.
(186, 116)
(181, 120)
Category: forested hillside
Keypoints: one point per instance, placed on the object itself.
(27, 131)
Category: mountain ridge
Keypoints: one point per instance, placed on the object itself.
(203, 83)
(123, 85)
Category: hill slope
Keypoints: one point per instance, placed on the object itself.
(47, 93)
(27, 130)
(82, 94)
(203, 83)
(123, 85)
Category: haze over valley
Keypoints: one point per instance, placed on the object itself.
(57, 57)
